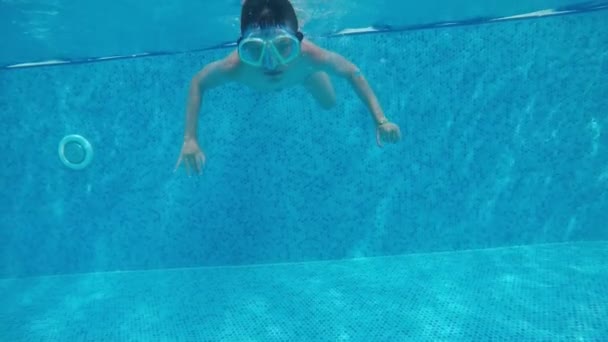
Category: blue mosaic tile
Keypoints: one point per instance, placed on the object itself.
(504, 145)
(532, 293)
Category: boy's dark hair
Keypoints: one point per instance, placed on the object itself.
(268, 13)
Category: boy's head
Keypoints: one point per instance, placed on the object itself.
(268, 13)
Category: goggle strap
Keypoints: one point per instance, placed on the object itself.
(298, 35)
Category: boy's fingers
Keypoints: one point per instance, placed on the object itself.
(199, 163)
(179, 161)
(187, 165)
(193, 165)
(378, 139)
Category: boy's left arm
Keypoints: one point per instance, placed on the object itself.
(338, 65)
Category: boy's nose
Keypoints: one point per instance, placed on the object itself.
(270, 63)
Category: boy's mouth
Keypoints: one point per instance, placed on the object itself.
(273, 72)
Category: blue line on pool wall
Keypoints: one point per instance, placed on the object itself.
(584, 7)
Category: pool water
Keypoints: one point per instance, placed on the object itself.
(486, 222)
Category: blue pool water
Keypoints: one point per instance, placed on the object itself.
(487, 222)
(63, 29)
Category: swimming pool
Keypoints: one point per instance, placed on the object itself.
(487, 222)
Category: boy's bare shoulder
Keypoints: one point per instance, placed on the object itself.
(313, 52)
(228, 64)
(218, 72)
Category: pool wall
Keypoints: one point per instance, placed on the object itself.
(504, 144)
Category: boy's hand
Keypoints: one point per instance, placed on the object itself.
(192, 156)
(388, 132)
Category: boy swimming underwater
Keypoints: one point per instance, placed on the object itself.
(273, 54)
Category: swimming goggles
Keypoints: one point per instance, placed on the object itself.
(261, 47)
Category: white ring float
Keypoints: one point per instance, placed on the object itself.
(82, 142)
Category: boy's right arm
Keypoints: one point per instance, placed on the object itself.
(212, 75)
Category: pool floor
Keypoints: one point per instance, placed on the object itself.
(555, 292)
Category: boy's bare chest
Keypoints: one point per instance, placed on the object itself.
(259, 80)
